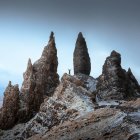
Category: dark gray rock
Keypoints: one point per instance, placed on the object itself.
(115, 82)
(81, 59)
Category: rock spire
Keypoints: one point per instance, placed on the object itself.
(41, 78)
(81, 59)
(9, 111)
(115, 82)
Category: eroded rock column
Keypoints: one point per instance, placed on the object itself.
(81, 59)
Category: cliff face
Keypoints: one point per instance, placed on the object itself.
(9, 111)
(81, 59)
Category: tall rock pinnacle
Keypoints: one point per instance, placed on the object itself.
(9, 112)
(41, 78)
(81, 59)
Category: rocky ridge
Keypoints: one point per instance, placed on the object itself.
(79, 107)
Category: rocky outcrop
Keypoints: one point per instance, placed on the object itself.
(40, 80)
(71, 99)
(9, 111)
(81, 59)
(72, 113)
(79, 107)
(115, 82)
(45, 69)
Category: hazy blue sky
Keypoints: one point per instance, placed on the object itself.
(107, 25)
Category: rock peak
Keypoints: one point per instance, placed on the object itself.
(114, 53)
(40, 79)
(9, 84)
(29, 65)
(81, 59)
(51, 47)
(9, 111)
(129, 70)
(80, 35)
(52, 35)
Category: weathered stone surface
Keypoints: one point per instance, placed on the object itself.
(69, 101)
(9, 111)
(45, 68)
(71, 113)
(115, 82)
(40, 80)
(102, 124)
(81, 59)
(80, 107)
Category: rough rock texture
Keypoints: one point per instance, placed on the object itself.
(9, 111)
(79, 107)
(40, 80)
(102, 124)
(115, 82)
(72, 114)
(71, 99)
(81, 59)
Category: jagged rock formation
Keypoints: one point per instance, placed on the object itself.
(71, 99)
(115, 82)
(71, 114)
(9, 111)
(40, 80)
(103, 124)
(81, 59)
(79, 107)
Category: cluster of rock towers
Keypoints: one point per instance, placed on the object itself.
(41, 80)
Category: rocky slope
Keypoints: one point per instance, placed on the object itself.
(80, 107)
(73, 113)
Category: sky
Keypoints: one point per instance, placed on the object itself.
(107, 25)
